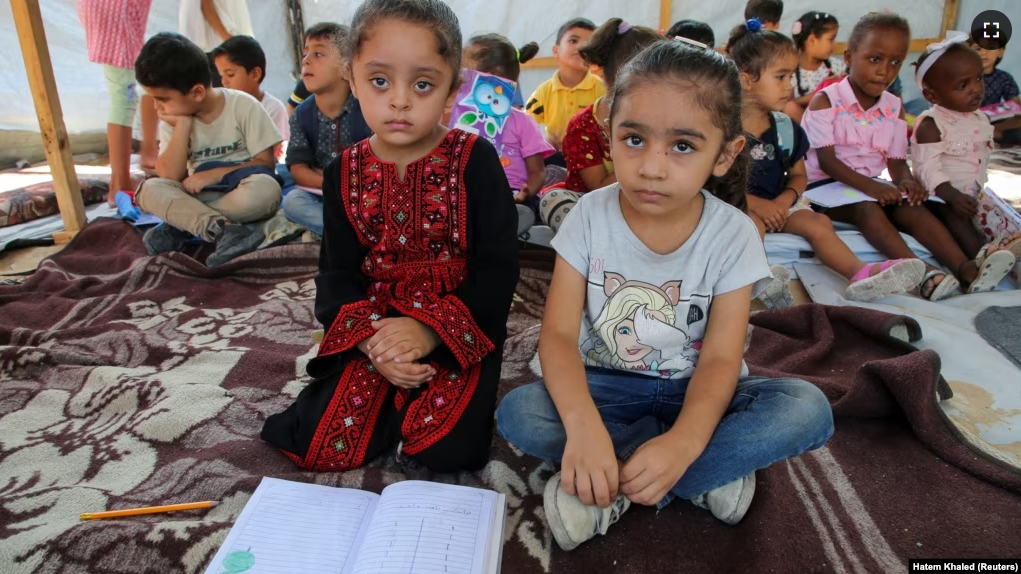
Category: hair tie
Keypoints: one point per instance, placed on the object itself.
(937, 49)
(692, 42)
(623, 27)
(517, 54)
(796, 28)
(753, 25)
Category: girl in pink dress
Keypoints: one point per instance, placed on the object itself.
(857, 130)
(950, 155)
(114, 34)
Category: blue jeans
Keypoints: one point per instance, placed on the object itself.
(305, 209)
(768, 420)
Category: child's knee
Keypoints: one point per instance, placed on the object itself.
(155, 191)
(816, 224)
(292, 202)
(868, 210)
(524, 411)
(262, 193)
(809, 412)
(263, 186)
(910, 216)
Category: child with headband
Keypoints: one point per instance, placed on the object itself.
(950, 154)
(814, 34)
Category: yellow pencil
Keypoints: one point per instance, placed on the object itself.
(148, 510)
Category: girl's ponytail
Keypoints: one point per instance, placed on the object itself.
(527, 52)
(753, 49)
(494, 54)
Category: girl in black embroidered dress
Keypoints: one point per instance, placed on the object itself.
(418, 264)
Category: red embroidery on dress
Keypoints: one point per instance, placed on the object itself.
(294, 458)
(416, 231)
(452, 322)
(352, 325)
(431, 416)
(344, 432)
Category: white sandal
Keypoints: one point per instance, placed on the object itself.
(778, 293)
(894, 277)
(992, 268)
(946, 288)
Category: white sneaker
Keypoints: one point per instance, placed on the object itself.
(778, 293)
(729, 502)
(572, 521)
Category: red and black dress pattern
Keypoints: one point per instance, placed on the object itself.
(416, 234)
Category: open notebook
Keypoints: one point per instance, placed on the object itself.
(836, 194)
(413, 527)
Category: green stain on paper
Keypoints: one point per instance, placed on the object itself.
(237, 562)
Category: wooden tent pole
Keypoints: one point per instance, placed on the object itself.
(296, 26)
(665, 9)
(36, 54)
(950, 17)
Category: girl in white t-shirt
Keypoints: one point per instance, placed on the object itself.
(813, 34)
(642, 341)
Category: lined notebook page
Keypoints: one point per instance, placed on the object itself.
(428, 528)
(295, 527)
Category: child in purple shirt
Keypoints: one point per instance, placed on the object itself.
(484, 105)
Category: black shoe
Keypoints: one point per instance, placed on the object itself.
(163, 238)
(234, 241)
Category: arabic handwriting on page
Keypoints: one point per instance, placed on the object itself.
(426, 529)
(294, 527)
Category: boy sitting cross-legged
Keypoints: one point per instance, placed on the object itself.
(323, 125)
(216, 167)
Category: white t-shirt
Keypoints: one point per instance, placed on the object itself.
(810, 79)
(278, 113)
(239, 133)
(647, 313)
(193, 25)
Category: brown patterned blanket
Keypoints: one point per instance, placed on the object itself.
(128, 380)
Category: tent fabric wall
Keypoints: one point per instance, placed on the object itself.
(82, 88)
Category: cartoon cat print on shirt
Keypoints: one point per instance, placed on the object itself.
(636, 330)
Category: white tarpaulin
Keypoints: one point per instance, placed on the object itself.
(82, 88)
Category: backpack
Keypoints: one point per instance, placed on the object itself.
(308, 119)
(786, 138)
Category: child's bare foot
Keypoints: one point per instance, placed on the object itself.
(937, 285)
(111, 197)
(1010, 243)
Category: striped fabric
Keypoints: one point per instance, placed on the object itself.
(114, 30)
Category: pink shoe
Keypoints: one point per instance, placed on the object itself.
(894, 277)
